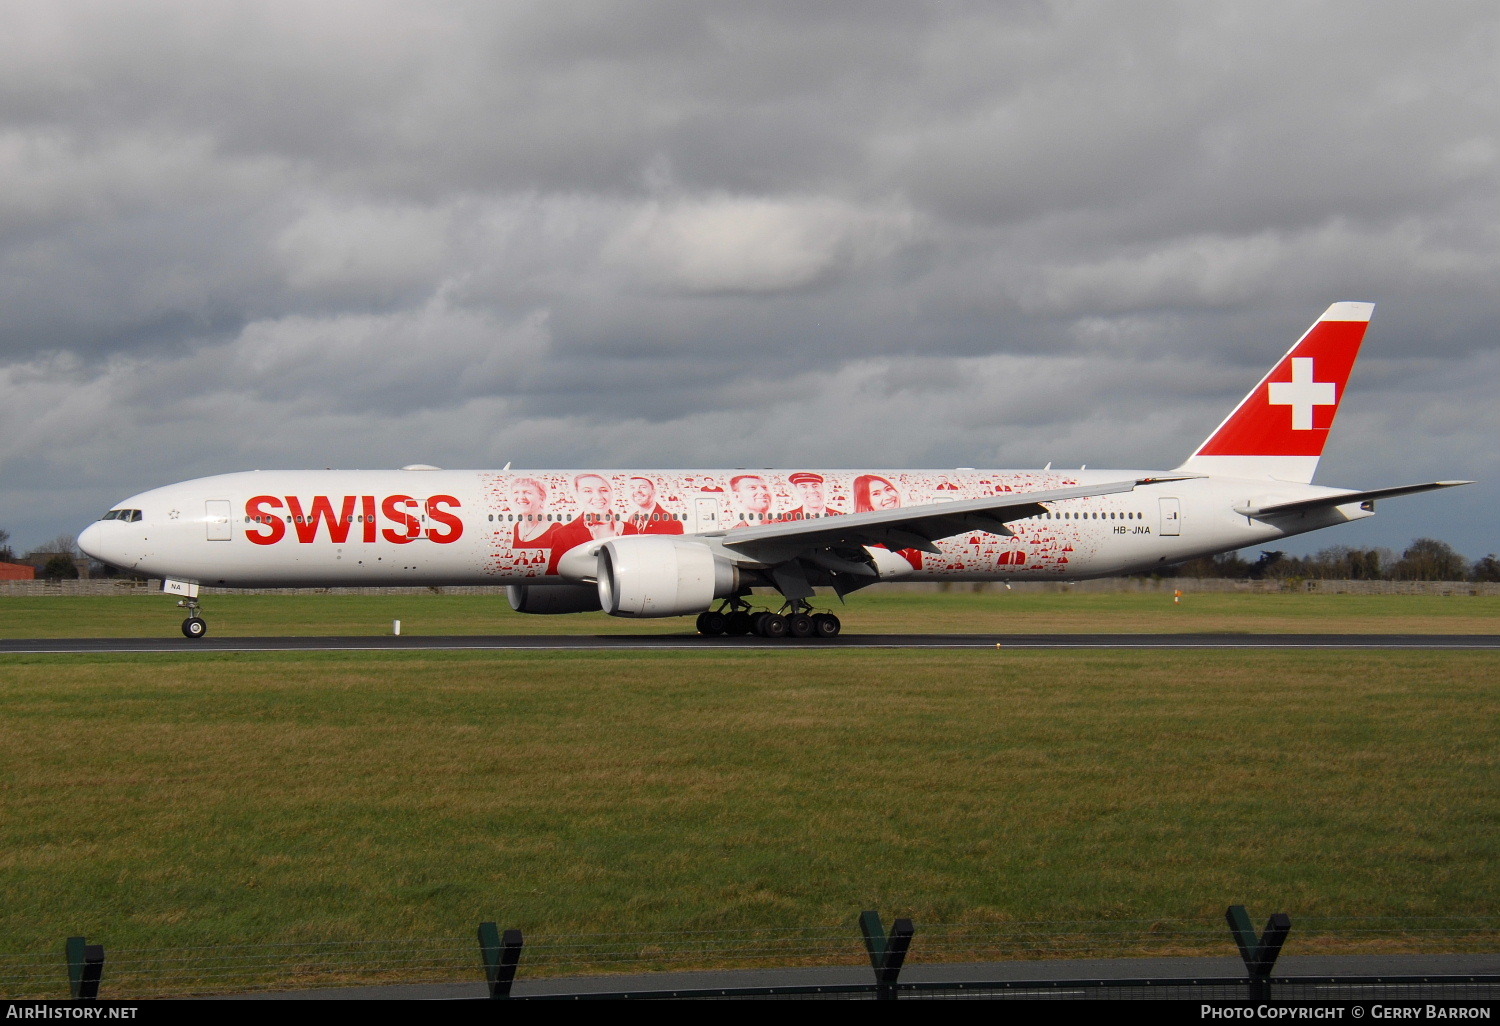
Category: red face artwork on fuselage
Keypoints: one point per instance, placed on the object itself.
(541, 515)
(397, 519)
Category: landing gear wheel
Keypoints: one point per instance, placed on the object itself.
(826, 625)
(737, 624)
(800, 625)
(194, 627)
(771, 625)
(712, 624)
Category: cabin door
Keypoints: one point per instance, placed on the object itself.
(1171, 517)
(705, 515)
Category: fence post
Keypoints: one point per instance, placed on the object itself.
(887, 954)
(1259, 953)
(500, 955)
(85, 968)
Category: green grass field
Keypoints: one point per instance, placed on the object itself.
(178, 801)
(873, 612)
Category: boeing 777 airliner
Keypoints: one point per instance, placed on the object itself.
(656, 543)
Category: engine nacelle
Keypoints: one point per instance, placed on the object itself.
(888, 564)
(555, 598)
(659, 575)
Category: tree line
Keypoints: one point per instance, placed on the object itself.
(1425, 559)
(62, 558)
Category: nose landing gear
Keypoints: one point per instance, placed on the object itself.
(194, 626)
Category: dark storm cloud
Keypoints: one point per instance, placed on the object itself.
(372, 233)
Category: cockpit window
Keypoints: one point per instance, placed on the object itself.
(130, 516)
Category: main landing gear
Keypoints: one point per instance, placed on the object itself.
(795, 619)
(194, 626)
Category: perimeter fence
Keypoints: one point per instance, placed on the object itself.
(1088, 959)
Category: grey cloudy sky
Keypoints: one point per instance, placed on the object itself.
(365, 234)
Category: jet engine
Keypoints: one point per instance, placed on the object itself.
(555, 598)
(659, 575)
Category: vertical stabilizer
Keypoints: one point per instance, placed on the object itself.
(1279, 429)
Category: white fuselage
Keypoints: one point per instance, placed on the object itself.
(450, 527)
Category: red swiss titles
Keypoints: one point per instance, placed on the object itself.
(406, 519)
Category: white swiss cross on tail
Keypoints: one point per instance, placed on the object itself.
(1259, 439)
(1302, 393)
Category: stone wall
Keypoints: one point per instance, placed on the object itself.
(1109, 584)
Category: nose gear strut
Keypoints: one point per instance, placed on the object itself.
(194, 626)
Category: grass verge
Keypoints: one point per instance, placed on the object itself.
(178, 802)
(874, 612)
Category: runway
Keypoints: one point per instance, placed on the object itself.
(1406, 977)
(695, 643)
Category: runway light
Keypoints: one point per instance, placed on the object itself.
(396, 628)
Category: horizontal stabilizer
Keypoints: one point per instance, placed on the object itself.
(1341, 499)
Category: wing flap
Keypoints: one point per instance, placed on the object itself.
(900, 539)
(1282, 509)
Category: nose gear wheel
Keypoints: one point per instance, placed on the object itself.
(194, 627)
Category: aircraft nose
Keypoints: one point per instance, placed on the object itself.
(91, 541)
(99, 541)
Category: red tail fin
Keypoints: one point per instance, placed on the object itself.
(1278, 430)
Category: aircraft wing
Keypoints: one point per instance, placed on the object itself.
(908, 527)
(1281, 509)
